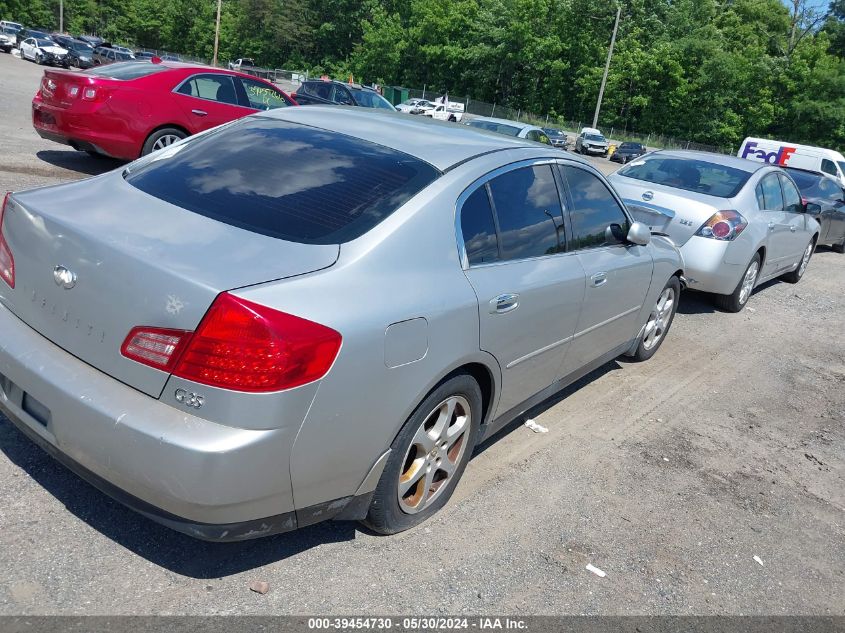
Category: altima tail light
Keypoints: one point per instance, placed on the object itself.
(241, 346)
(724, 226)
(7, 262)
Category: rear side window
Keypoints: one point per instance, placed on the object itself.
(791, 197)
(828, 167)
(528, 209)
(479, 231)
(597, 219)
(126, 70)
(288, 181)
(322, 89)
(261, 96)
(219, 88)
(772, 195)
(492, 126)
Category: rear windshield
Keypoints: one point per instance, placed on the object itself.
(127, 70)
(630, 146)
(689, 174)
(288, 181)
(492, 126)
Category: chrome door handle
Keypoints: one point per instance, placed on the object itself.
(199, 112)
(599, 279)
(771, 226)
(504, 303)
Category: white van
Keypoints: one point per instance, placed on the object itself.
(794, 155)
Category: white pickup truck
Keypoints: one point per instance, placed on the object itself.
(450, 111)
(244, 62)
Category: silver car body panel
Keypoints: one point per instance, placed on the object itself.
(712, 265)
(408, 308)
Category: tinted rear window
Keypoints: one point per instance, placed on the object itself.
(287, 181)
(689, 174)
(492, 126)
(127, 70)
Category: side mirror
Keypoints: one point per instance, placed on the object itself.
(639, 234)
(812, 208)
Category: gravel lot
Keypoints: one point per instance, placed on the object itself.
(670, 476)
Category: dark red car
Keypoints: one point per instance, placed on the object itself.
(129, 109)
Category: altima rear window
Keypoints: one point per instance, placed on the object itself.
(288, 181)
(127, 70)
(689, 174)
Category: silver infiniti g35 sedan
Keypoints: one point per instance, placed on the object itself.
(737, 222)
(313, 313)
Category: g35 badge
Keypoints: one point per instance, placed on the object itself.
(685, 222)
(190, 399)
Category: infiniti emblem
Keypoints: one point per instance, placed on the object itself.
(64, 277)
(648, 195)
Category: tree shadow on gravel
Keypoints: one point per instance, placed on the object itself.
(159, 545)
(80, 162)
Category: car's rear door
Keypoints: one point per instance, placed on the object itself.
(778, 241)
(618, 274)
(529, 288)
(208, 100)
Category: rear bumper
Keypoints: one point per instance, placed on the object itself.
(705, 267)
(83, 131)
(205, 479)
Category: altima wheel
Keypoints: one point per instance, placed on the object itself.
(659, 320)
(161, 139)
(428, 457)
(795, 276)
(736, 301)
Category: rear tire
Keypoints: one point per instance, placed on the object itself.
(659, 321)
(428, 457)
(795, 276)
(736, 301)
(161, 139)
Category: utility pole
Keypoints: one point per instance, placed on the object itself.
(607, 66)
(61, 16)
(217, 33)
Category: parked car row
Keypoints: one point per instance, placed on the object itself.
(497, 271)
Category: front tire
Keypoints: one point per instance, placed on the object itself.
(161, 139)
(428, 457)
(659, 321)
(736, 301)
(795, 276)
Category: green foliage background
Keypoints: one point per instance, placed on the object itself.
(706, 70)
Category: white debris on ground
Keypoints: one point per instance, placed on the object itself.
(598, 572)
(537, 428)
(759, 560)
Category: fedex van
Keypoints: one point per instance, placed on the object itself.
(792, 155)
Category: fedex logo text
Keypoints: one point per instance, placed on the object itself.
(779, 157)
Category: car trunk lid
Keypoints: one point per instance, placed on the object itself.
(62, 88)
(128, 259)
(666, 209)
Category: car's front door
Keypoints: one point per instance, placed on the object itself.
(779, 238)
(27, 48)
(209, 100)
(529, 288)
(800, 224)
(618, 274)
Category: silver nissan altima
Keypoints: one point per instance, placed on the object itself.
(313, 313)
(737, 222)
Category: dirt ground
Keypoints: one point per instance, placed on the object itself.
(671, 476)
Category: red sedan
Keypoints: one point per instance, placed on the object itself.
(129, 109)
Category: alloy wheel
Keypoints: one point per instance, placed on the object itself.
(434, 455)
(805, 260)
(748, 281)
(165, 141)
(659, 318)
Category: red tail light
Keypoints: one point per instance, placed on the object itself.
(723, 226)
(242, 346)
(7, 262)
